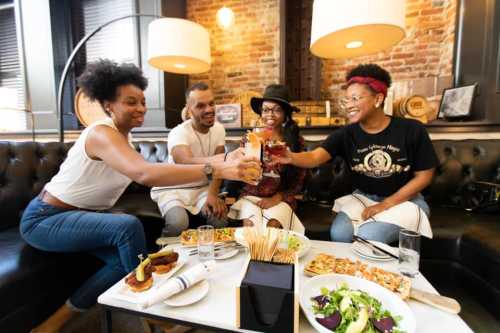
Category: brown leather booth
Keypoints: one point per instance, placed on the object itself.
(465, 249)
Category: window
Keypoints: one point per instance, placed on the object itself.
(12, 92)
(117, 41)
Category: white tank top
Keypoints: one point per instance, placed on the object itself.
(86, 183)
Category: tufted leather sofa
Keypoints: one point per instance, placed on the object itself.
(465, 249)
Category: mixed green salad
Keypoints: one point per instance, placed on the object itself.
(353, 311)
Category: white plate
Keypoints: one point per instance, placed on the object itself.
(389, 300)
(226, 254)
(304, 247)
(366, 251)
(162, 278)
(124, 293)
(190, 295)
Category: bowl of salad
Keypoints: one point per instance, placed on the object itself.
(347, 304)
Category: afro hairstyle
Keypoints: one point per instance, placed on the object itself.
(100, 79)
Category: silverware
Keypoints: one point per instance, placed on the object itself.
(373, 246)
(220, 247)
(225, 251)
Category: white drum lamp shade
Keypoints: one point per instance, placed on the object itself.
(350, 28)
(178, 46)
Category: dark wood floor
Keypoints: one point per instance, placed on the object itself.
(90, 322)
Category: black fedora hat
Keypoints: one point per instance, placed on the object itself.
(276, 93)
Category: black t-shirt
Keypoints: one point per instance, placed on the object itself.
(382, 163)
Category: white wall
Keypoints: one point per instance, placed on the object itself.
(35, 17)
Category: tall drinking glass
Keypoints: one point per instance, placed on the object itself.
(409, 252)
(206, 237)
(253, 148)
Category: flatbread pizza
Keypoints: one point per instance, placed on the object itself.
(325, 264)
(189, 237)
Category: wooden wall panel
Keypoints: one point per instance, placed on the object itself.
(302, 71)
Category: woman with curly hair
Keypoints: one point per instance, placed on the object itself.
(392, 160)
(67, 217)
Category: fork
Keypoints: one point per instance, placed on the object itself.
(232, 245)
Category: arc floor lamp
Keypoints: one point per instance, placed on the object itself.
(174, 45)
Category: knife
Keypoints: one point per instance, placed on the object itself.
(373, 246)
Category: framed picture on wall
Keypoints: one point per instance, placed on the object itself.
(457, 102)
(228, 115)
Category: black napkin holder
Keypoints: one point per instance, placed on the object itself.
(267, 298)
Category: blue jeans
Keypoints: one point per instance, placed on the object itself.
(342, 229)
(116, 239)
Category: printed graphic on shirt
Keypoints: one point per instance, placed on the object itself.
(378, 161)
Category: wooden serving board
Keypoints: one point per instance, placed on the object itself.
(444, 303)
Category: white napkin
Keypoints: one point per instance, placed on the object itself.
(406, 215)
(179, 283)
(246, 208)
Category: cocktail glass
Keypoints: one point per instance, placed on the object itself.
(273, 149)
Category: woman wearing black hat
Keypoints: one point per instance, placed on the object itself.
(272, 200)
(392, 160)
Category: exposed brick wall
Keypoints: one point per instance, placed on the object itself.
(425, 52)
(446, 61)
(246, 57)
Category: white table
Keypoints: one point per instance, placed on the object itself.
(217, 310)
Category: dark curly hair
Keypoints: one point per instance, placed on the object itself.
(371, 70)
(100, 79)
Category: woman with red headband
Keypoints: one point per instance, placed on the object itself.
(392, 160)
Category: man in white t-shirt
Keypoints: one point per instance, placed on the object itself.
(195, 141)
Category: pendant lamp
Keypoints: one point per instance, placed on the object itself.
(350, 28)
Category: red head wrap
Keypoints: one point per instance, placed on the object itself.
(376, 85)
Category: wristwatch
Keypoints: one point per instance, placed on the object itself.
(208, 170)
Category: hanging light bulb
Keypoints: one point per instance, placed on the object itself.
(225, 17)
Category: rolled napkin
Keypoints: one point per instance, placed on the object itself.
(179, 283)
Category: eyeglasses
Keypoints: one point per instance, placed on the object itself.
(276, 110)
(353, 99)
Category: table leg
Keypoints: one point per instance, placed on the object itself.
(107, 322)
